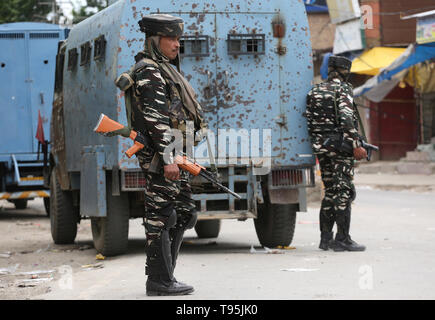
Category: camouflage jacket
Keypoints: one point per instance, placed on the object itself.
(330, 110)
(156, 108)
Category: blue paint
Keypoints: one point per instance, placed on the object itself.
(27, 65)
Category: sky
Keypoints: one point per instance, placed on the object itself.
(68, 5)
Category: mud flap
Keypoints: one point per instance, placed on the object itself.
(302, 200)
(253, 192)
(93, 182)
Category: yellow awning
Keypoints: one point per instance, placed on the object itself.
(371, 61)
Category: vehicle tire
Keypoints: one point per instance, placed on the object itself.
(20, 204)
(63, 217)
(47, 205)
(208, 228)
(275, 224)
(110, 233)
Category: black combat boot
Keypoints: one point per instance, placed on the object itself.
(347, 244)
(326, 223)
(343, 241)
(164, 286)
(325, 240)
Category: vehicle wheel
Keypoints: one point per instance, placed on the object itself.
(110, 233)
(20, 204)
(47, 205)
(275, 224)
(64, 216)
(208, 228)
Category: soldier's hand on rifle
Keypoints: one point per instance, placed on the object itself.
(171, 171)
(125, 132)
(359, 153)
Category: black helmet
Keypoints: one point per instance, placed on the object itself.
(339, 62)
(161, 25)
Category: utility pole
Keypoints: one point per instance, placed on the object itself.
(54, 8)
(53, 5)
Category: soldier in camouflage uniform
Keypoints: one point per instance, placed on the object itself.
(161, 100)
(331, 114)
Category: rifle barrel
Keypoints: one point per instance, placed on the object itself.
(206, 176)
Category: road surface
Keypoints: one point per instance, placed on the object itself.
(398, 229)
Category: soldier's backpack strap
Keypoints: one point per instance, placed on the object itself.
(337, 122)
(126, 80)
(358, 116)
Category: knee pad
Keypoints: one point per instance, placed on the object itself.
(191, 220)
(168, 216)
(185, 221)
(172, 220)
(156, 224)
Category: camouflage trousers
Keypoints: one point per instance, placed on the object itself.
(337, 175)
(169, 211)
(160, 192)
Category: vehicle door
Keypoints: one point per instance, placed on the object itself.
(15, 120)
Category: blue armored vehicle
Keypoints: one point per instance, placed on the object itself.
(250, 64)
(27, 66)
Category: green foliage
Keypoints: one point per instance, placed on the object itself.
(23, 10)
(91, 7)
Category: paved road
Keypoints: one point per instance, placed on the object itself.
(397, 227)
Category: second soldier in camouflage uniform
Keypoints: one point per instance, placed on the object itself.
(331, 114)
(161, 100)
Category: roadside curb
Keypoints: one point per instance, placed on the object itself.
(396, 182)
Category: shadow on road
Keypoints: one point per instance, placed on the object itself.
(213, 246)
(12, 213)
(190, 245)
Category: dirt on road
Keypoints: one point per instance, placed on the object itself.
(29, 260)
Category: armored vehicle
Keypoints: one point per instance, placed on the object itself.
(250, 64)
(27, 66)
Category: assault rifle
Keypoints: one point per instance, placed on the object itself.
(338, 144)
(106, 126)
(369, 148)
